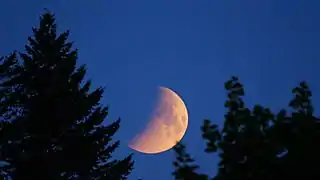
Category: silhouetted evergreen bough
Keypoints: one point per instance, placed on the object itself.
(256, 144)
(52, 125)
(185, 169)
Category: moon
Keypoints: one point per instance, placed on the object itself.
(167, 125)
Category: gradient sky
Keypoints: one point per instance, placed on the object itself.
(192, 47)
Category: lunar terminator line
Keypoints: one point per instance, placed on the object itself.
(167, 126)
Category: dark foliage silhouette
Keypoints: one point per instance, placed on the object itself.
(52, 125)
(256, 144)
(185, 169)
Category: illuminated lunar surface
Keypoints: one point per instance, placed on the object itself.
(167, 125)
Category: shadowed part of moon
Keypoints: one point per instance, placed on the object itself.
(168, 124)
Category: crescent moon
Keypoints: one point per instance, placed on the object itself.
(168, 124)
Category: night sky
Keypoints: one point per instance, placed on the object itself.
(192, 47)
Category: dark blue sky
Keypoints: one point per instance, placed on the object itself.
(192, 47)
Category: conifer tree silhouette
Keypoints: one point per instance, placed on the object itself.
(52, 124)
(256, 144)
